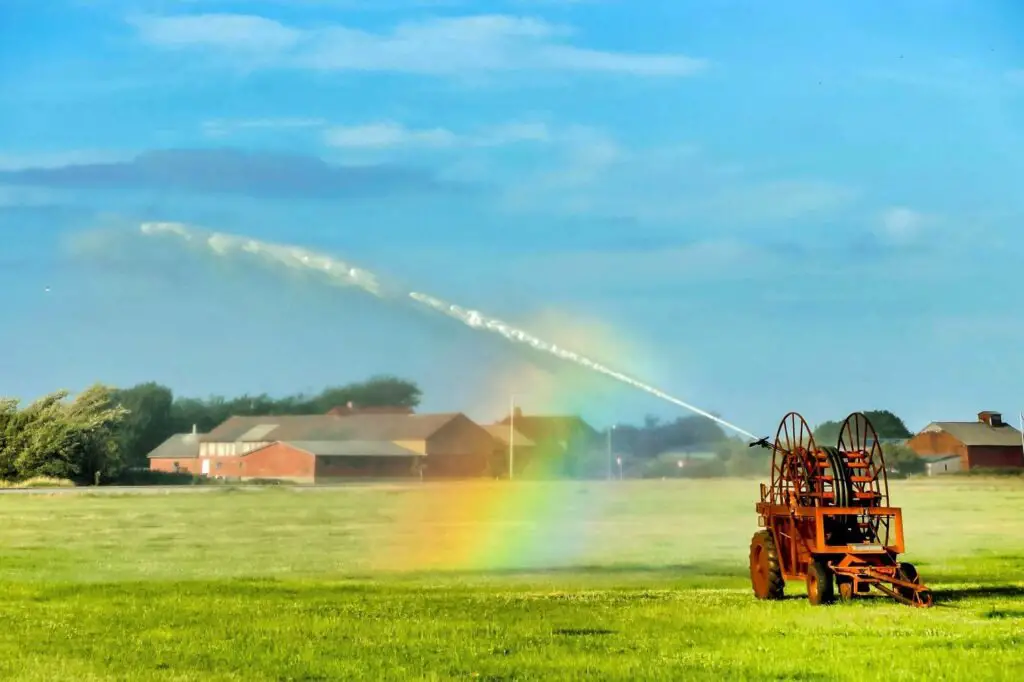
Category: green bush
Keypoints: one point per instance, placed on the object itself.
(39, 482)
(150, 477)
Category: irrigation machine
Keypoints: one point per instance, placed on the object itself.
(826, 519)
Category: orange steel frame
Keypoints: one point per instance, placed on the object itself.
(800, 535)
(795, 511)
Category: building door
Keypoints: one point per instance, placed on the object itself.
(206, 467)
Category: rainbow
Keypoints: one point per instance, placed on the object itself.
(534, 522)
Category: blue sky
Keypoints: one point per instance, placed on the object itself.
(757, 207)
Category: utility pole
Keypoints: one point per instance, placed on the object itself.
(610, 429)
(1021, 415)
(511, 434)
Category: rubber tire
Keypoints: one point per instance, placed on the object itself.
(764, 552)
(844, 588)
(820, 586)
(908, 572)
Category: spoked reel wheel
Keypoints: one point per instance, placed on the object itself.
(793, 461)
(865, 464)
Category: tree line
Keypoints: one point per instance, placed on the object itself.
(698, 447)
(103, 432)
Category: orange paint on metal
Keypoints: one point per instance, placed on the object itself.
(819, 541)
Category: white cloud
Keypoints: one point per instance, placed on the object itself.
(441, 46)
(222, 127)
(235, 32)
(389, 134)
(600, 178)
(56, 159)
(900, 226)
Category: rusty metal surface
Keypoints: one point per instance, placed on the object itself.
(830, 506)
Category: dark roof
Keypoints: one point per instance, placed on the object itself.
(500, 432)
(178, 446)
(551, 427)
(352, 448)
(978, 433)
(365, 427)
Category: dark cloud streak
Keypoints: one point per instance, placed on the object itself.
(232, 171)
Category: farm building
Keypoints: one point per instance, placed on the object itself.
(522, 448)
(986, 443)
(555, 439)
(950, 464)
(181, 451)
(561, 431)
(322, 448)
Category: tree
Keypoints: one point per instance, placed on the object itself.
(887, 425)
(149, 420)
(742, 460)
(901, 460)
(827, 433)
(654, 437)
(378, 391)
(53, 437)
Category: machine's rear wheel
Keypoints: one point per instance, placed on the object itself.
(765, 571)
(908, 572)
(819, 583)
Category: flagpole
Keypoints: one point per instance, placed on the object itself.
(1021, 416)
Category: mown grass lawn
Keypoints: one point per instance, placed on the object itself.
(645, 580)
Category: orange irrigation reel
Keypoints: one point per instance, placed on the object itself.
(827, 520)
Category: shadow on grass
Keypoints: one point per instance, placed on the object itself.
(953, 595)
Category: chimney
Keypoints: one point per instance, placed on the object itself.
(990, 418)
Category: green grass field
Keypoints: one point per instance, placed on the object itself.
(621, 580)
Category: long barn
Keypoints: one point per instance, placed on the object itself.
(332, 447)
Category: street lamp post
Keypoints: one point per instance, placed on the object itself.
(511, 434)
(610, 429)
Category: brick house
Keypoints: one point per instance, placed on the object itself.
(322, 448)
(180, 452)
(986, 443)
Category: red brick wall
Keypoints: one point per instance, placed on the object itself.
(974, 457)
(995, 457)
(278, 461)
(932, 443)
(184, 465)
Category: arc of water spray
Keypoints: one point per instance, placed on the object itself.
(345, 274)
